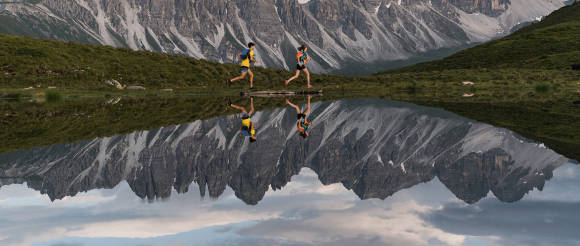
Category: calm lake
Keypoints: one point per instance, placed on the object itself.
(370, 172)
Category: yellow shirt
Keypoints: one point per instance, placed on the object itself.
(246, 62)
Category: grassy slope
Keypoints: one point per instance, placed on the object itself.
(553, 43)
(540, 52)
(29, 62)
(537, 55)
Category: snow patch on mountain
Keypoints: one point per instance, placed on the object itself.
(192, 47)
(483, 138)
(359, 32)
(482, 28)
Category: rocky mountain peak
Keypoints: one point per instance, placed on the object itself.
(340, 33)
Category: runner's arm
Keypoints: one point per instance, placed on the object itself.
(252, 59)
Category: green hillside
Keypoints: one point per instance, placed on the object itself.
(537, 53)
(28, 62)
(553, 43)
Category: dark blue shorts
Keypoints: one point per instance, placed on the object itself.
(245, 69)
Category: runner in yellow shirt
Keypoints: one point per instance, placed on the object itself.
(247, 57)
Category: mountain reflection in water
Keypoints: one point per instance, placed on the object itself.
(372, 147)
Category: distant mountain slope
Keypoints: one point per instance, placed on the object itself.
(553, 43)
(339, 32)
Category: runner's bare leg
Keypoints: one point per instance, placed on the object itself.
(239, 108)
(239, 77)
(308, 78)
(293, 105)
(251, 78)
(293, 78)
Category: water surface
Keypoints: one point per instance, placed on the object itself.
(372, 172)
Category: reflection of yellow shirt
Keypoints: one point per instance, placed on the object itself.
(246, 62)
(246, 122)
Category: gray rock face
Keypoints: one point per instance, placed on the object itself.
(339, 32)
(373, 147)
(491, 8)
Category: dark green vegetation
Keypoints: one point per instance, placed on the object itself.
(538, 56)
(26, 62)
(548, 117)
(551, 118)
(30, 122)
(52, 97)
(552, 44)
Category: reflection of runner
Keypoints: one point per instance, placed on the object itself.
(247, 57)
(301, 60)
(303, 124)
(248, 128)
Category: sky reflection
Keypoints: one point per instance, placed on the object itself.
(416, 170)
(305, 212)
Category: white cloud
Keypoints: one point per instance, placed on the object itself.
(303, 212)
(305, 203)
(399, 224)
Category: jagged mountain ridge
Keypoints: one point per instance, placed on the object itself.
(339, 32)
(373, 147)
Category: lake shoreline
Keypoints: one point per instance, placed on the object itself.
(550, 117)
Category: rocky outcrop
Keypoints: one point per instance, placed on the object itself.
(339, 32)
(115, 83)
(372, 147)
(135, 88)
(492, 8)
